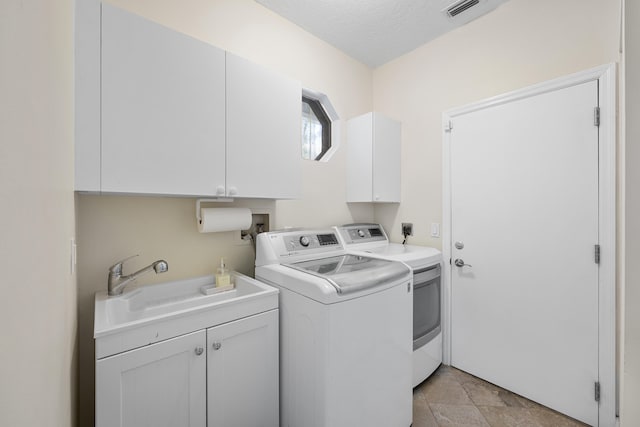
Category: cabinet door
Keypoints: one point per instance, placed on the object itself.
(386, 159)
(360, 158)
(159, 385)
(242, 372)
(163, 109)
(373, 159)
(263, 132)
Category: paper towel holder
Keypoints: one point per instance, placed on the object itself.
(199, 201)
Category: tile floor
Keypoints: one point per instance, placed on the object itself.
(451, 397)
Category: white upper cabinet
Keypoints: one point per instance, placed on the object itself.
(373, 159)
(163, 109)
(159, 112)
(263, 132)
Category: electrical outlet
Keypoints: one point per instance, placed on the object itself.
(407, 229)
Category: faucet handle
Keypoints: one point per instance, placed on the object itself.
(117, 267)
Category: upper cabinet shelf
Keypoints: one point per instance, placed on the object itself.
(177, 116)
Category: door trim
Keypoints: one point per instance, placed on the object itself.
(606, 77)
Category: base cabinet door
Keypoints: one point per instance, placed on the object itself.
(242, 372)
(160, 385)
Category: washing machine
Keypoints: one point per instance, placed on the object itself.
(371, 240)
(345, 331)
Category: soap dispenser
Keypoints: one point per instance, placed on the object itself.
(222, 276)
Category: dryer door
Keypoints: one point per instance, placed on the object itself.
(426, 305)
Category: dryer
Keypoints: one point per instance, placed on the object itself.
(371, 240)
(345, 331)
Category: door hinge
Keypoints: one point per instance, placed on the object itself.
(597, 254)
(597, 391)
(596, 116)
(448, 126)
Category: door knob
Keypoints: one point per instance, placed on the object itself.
(460, 263)
(459, 245)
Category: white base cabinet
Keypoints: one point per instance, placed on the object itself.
(373, 159)
(224, 376)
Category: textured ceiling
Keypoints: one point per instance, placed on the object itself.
(376, 31)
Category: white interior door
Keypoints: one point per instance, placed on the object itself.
(524, 209)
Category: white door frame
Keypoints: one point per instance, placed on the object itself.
(606, 76)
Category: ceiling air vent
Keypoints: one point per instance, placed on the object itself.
(458, 7)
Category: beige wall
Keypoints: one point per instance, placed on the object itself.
(111, 228)
(630, 410)
(38, 302)
(521, 43)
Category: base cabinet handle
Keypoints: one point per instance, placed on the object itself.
(216, 345)
(199, 351)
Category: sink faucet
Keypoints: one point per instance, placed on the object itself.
(117, 281)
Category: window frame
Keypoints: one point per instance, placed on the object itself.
(327, 111)
(325, 121)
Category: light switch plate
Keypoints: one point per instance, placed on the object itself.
(435, 229)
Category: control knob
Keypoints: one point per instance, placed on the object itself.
(360, 233)
(304, 241)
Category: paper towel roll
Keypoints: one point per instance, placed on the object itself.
(214, 220)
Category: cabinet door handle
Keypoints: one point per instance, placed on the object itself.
(217, 345)
(199, 351)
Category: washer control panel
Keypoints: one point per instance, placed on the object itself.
(362, 233)
(299, 242)
(287, 246)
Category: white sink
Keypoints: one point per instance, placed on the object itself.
(152, 313)
(165, 298)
